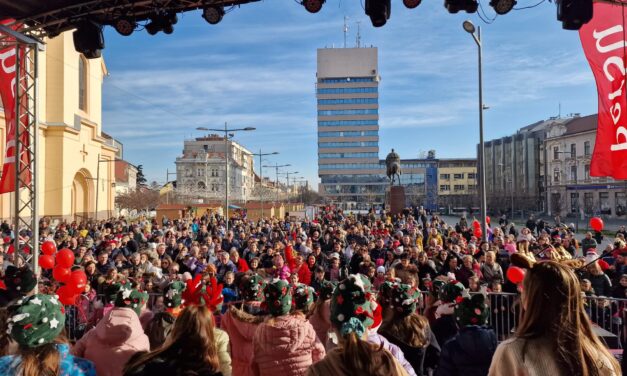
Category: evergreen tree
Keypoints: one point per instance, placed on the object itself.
(141, 179)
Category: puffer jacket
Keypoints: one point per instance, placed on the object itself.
(469, 353)
(286, 346)
(241, 327)
(224, 356)
(113, 341)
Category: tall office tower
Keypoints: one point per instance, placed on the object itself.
(348, 126)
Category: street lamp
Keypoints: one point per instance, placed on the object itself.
(503, 169)
(469, 27)
(276, 166)
(288, 173)
(98, 180)
(227, 135)
(260, 154)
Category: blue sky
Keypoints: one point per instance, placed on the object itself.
(257, 68)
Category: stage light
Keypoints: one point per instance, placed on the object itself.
(161, 22)
(124, 26)
(411, 4)
(574, 13)
(88, 39)
(502, 6)
(454, 6)
(213, 15)
(379, 11)
(313, 6)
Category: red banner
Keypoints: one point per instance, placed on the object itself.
(8, 83)
(603, 40)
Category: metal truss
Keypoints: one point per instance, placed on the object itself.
(26, 218)
(105, 12)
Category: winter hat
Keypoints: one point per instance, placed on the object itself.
(36, 320)
(172, 294)
(278, 297)
(325, 292)
(436, 287)
(302, 297)
(20, 280)
(128, 297)
(111, 291)
(251, 288)
(472, 311)
(351, 307)
(451, 292)
(381, 269)
(404, 298)
(385, 293)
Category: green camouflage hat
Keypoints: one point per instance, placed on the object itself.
(172, 297)
(451, 292)
(472, 311)
(278, 297)
(325, 292)
(36, 320)
(128, 297)
(302, 297)
(251, 288)
(404, 298)
(352, 299)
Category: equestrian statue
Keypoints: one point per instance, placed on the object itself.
(393, 167)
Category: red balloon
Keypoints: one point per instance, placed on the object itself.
(11, 249)
(487, 219)
(46, 262)
(77, 281)
(65, 258)
(66, 295)
(476, 224)
(61, 274)
(596, 223)
(515, 274)
(48, 248)
(478, 232)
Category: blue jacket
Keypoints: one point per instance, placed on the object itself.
(70, 364)
(469, 353)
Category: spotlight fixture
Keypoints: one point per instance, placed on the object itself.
(313, 6)
(125, 26)
(161, 22)
(454, 6)
(411, 4)
(213, 15)
(574, 13)
(379, 11)
(503, 6)
(88, 39)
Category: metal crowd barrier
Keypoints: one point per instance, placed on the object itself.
(608, 315)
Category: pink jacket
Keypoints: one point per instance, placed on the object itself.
(286, 346)
(321, 322)
(241, 328)
(113, 341)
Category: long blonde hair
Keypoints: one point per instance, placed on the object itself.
(192, 340)
(553, 294)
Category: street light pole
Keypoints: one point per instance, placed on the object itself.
(470, 28)
(226, 163)
(260, 154)
(276, 166)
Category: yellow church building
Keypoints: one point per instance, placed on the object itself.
(74, 154)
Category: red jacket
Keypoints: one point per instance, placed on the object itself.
(242, 266)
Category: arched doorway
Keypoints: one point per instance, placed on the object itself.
(81, 194)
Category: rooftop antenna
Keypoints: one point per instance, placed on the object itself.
(358, 34)
(345, 29)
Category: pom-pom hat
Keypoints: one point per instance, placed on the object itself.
(278, 297)
(302, 297)
(352, 299)
(36, 320)
(173, 294)
(251, 288)
(472, 311)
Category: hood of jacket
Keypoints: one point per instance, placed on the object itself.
(477, 342)
(285, 332)
(245, 324)
(119, 326)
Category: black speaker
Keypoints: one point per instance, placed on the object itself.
(574, 13)
(88, 39)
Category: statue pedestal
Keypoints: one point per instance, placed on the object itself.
(395, 199)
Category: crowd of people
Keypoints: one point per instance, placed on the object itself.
(337, 294)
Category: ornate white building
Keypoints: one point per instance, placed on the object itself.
(201, 170)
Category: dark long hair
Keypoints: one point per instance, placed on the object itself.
(191, 342)
(553, 294)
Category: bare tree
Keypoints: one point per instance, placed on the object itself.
(138, 199)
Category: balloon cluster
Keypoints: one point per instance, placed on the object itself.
(476, 227)
(61, 263)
